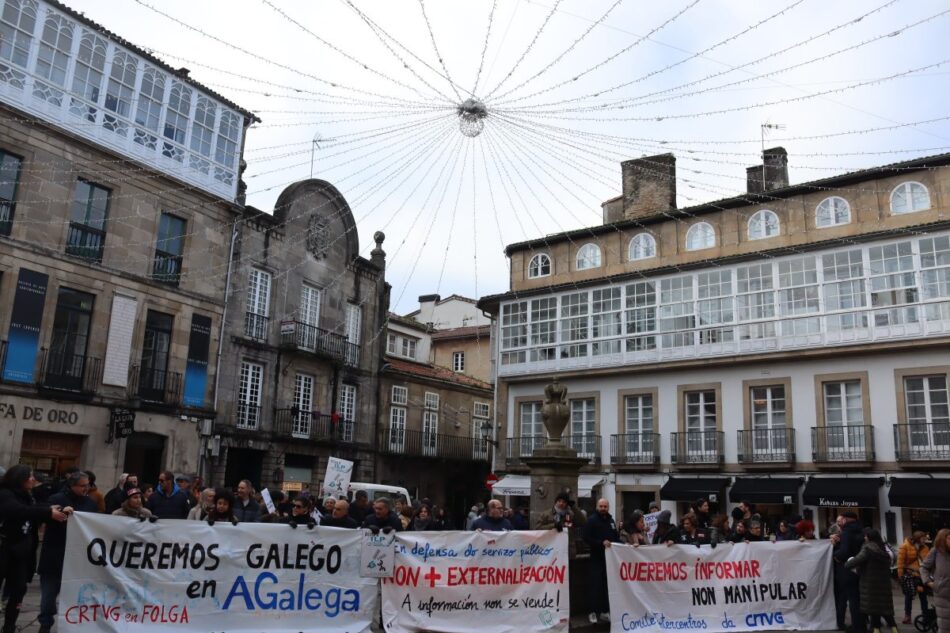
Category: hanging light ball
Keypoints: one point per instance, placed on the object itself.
(472, 114)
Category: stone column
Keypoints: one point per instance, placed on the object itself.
(554, 467)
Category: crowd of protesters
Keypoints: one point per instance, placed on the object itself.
(862, 561)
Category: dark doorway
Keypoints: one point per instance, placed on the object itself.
(144, 456)
(636, 500)
(243, 463)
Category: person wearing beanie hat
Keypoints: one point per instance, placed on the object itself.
(561, 516)
(665, 532)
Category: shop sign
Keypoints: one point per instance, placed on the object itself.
(825, 502)
(29, 413)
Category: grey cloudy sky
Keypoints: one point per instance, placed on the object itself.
(572, 88)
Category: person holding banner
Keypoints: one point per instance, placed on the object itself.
(847, 544)
(246, 509)
(20, 516)
(300, 513)
(133, 506)
(665, 532)
(382, 517)
(634, 531)
(341, 516)
(223, 507)
(599, 532)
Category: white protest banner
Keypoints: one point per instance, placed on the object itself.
(743, 587)
(336, 481)
(478, 581)
(123, 575)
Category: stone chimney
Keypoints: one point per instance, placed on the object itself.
(649, 185)
(427, 308)
(776, 172)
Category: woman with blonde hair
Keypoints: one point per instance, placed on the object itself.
(935, 572)
(911, 554)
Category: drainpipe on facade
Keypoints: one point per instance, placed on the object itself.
(217, 360)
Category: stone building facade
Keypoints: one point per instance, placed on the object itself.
(435, 418)
(786, 346)
(114, 239)
(303, 344)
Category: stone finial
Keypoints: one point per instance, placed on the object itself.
(554, 412)
(378, 255)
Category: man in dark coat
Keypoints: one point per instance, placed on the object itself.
(599, 532)
(494, 520)
(340, 518)
(246, 509)
(74, 494)
(382, 516)
(168, 501)
(360, 509)
(847, 544)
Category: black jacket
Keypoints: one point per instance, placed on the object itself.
(250, 513)
(114, 499)
(599, 528)
(488, 524)
(54, 540)
(391, 521)
(673, 534)
(344, 522)
(173, 507)
(20, 517)
(851, 542)
(359, 514)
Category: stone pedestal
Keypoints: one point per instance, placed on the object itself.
(554, 469)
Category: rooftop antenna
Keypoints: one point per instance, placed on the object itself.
(317, 139)
(762, 129)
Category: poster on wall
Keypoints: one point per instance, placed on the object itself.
(742, 587)
(23, 339)
(196, 369)
(336, 481)
(120, 574)
(503, 582)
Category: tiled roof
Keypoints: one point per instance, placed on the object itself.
(463, 332)
(434, 372)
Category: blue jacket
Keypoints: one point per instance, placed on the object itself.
(169, 507)
(488, 524)
(598, 529)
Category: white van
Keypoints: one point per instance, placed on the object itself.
(375, 491)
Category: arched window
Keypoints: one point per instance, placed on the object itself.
(763, 224)
(699, 236)
(832, 212)
(908, 197)
(588, 257)
(642, 246)
(540, 266)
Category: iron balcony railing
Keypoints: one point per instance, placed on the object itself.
(922, 441)
(767, 446)
(311, 425)
(692, 448)
(255, 326)
(586, 445)
(635, 449)
(426, 444)
(247, 416)
(310, 338)
(85, 242)
(166, 268)
(843, 443)
(155, 385)
(65, 371)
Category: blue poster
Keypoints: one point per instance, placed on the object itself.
(23, 339)
(196, 370)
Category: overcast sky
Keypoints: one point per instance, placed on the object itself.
(571, 87)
